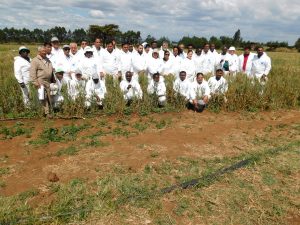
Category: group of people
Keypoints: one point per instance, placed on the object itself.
(84, 71)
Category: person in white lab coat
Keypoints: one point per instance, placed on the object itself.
(245, 61)
(233, 61)
(199, 93)
(76, 86)
(188, 65)
(56, 88)
(181, 85)
(218, 84)
(261, 65)
(131, 88)
(95, 91)
(154, 65)
(97, 47)
(125, 60)
(66, 62)
(111, 62)
(157, 88)
(139, 62)
(21, 70)
(56, 50)
(167, 65)
(208, 61)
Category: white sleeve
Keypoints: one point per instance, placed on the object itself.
(207, 90)
(88, 89)
(150, 88)
(18, 71)
(268, 65)
(192, 93)
(123, 87)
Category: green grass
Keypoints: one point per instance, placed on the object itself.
(71, 150)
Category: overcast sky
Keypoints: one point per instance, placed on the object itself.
(258, 20)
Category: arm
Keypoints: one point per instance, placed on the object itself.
(18, 71)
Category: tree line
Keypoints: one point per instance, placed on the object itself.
(109, 31)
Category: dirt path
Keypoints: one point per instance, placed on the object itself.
(187, 134)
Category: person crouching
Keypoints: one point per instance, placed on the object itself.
(157, 87)
(95, 91)
(131, 89)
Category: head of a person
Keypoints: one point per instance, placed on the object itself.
(147, 48)
(212, 47)
(95, 78)
(140, 49)
(165, 45)
(59, 74)
(199, 78)
(130, 47)
(247, 50)
(114, 43)
(88, 52)
(156, 77)
(231, 50)
(110, 46)
(206, 48)
(48, 47)
(155, 54)
(98, 43)
(189, 54)
(198, 51)
(125, 47)
(219, 73)
(24, 52)
(176, 51)
(73, 48)
(66, 49)
(224, 50)
(260, 51)
(42, 51)
(55, 42)
(83, 44)
(128, 76)
(190, 47)
(182, 75)
(154, 44)
(166, 55)
(181, 47)
(78, 74)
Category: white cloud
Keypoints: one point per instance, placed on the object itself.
(259, 20)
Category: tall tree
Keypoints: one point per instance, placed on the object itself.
(237, 38)
(105, 32)
(297, 44)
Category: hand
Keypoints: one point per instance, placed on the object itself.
(37, 85)
(22, 85)
(102, 75)
(98, 99)
(119, 74)
(205, 99)
(263, 77)
(129, 86)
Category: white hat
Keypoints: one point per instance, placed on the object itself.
(78, 71)
(53, 89)
(88, 49)
(54, 39)
(66, 46)
(231, 48)
(23, 48)
(95, 76)
(144, 44)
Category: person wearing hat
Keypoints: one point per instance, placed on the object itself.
(131, 88)
(56, 88)
(21, 71)
(233, 61)
(110, 59)
(157, 88)
(199, 93)
(245, 61)
(41, 75)
(218, 84)
(76, 86)
(208, 61)
(261, 65)
(56, 50)
(66, 62)
(95, 91)
(89, 65)
(154, 64)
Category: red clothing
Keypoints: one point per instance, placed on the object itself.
(245, 61)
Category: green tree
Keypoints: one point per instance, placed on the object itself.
(237, 38)
(297, 44)
(105, 32)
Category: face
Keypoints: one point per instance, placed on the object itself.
(167, 55)
(48, 49)
(128, 76)
(200, 78)
(206, 48)
(260, 51)
(182, 76)
(43, 52)
(78, 76)
(212, 47)
(175, 51)
(190, 55)
(110, 47)
(24, 53)
(198, 51)
(219, 74)
(67, 51)
(247, 51)
(97, 43)
(165, 45)
(130, 48)
(156, 78)
(224, 50)
(154, 45)
(147, 49)
(96, 80)
(231, 52)
(125, 48)
(55, 44)
(59, 75)
(88, 54)
(155, 55)
(83, 44)
(73, 48)
(140, 49)
(181, 46)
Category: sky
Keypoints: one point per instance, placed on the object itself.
(258, 20)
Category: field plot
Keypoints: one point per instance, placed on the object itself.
(110, 170)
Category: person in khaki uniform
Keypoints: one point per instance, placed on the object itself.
(41, 74)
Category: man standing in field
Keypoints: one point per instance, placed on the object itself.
(41, 74)
(97, 47)
(21, 69)
(245, 61)
(261, 65)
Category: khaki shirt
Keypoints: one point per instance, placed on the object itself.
(41, 71)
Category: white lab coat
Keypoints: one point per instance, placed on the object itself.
(68, 64)
(159, 89)
(168, 67)
(188, 65)
(260, 66)
(217, 86)
(134, 92)
(233, 61)
(59, 98)
(93, 89)
(89, 67)
(21, 70)
(125, 62)
(111, 62)
(182, 87)
(207, 62)
(139, 63)
(176, 65)
(76, 87)
(248, 64)
(198, 91)
(153, 66)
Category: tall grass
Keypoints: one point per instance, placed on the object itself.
(282, 91)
